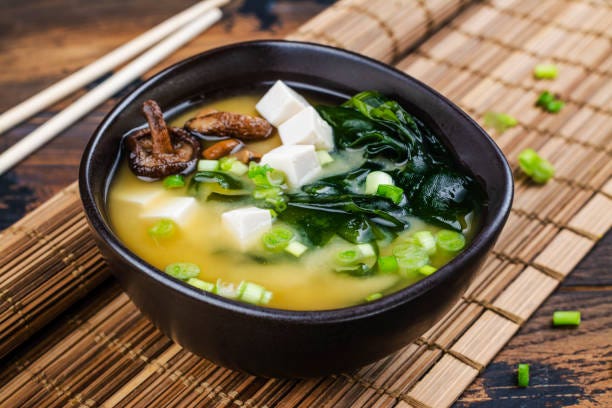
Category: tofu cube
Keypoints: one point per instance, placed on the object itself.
(299, 163)
(246, 224)
(280, 103)
(307, 127)
(177, 209)
(140, 198)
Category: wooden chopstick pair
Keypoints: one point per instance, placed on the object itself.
(162, 40)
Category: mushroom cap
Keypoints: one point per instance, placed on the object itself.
(144, 163)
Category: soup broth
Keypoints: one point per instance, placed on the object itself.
(308, 282)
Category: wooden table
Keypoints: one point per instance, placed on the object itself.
(41, 41)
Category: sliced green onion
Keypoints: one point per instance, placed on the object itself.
(348, 257)
(202, 285)
(267, 192)
(374, 296)
(324, 157)
(427, 270)
(499, 121)
(163, 228)
(277, 239)
(266, 297)
(279, 203)
(410, 257)
(549, 102)
(239, 168)
(566, 318)
(523, 375)
(376, 178)
(227, 290)
(275, 177)
(296, 248)
(251, 292)
(358, 254)
(263, 193)
(233, 165)
(545, 71)
(387, 264)
(174, 181)
(258, 174)
(425, 240)
(183, 270)
(390, 191)
(208, 165)
(539, 169)
(451, 241)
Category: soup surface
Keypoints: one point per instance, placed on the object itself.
(317, 279)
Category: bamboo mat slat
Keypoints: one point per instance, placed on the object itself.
(110, 355)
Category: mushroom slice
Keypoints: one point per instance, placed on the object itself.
(222, 148)
(229, 124)
(159, 150)
(246, 156)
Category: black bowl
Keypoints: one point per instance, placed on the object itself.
(281, 343)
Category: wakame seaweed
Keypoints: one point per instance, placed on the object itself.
(393, 141)
(435, 189)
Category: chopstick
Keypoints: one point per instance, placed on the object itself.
(107, 63)
(105, 90)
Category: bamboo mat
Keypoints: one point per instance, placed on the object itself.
(104, 353)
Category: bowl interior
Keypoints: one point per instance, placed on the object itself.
(326, 72)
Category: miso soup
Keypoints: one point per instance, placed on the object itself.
(290, 206)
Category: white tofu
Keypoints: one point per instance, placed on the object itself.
(140, 198)
(177, 209)
(280, 103)
(246, 224)
(307, 127)
(299, 163)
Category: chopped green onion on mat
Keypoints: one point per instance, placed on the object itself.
(545, 71)
(566, 318)
(539, 169)
(523, 375)
(499, 121)
(549, 102)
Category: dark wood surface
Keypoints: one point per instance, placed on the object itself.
(41, 41)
